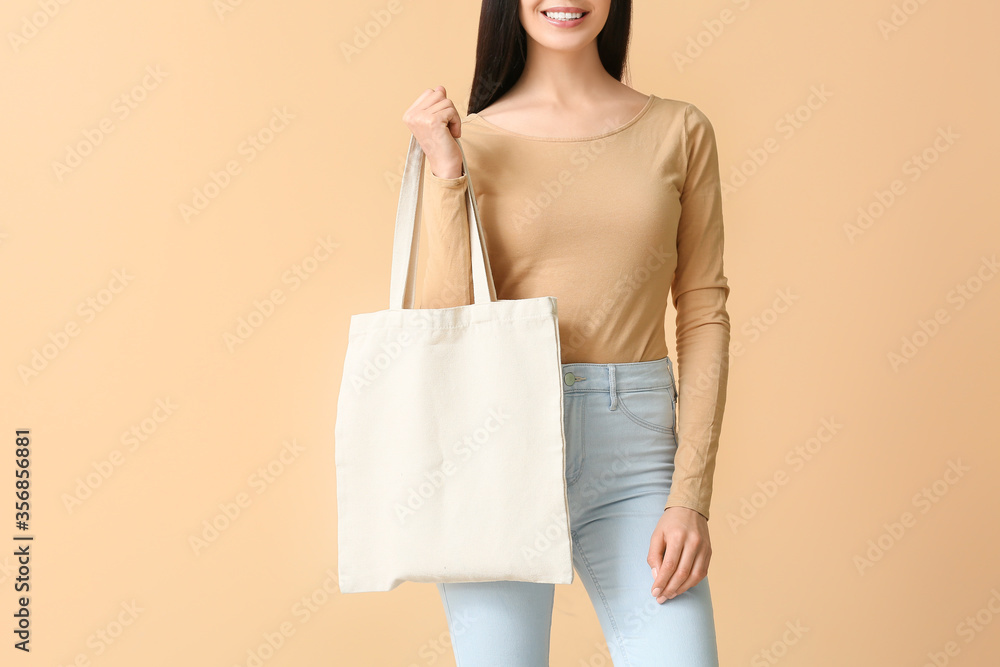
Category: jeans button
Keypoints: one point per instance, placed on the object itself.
(569, 379)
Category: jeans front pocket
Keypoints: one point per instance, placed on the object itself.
(652, 409)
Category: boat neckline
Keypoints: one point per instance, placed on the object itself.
(635, 119)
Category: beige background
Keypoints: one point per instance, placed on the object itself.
(113, 514)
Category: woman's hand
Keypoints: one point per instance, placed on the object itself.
(434, 121)
(679, 552)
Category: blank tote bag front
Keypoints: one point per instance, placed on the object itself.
(450, 448)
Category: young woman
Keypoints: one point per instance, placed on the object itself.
(610, 200)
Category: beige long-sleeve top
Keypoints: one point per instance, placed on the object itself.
(611, 225)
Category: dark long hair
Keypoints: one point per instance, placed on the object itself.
(503, 47)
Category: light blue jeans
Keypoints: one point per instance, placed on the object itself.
(620, 445)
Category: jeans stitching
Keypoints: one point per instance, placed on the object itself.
(673, 412)
(648, 362)
(604, 600)
(642, 422)
(673, 397)
(454, 644)
(580, 445)
(628, 390)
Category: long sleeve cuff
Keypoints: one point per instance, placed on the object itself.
(703, 363)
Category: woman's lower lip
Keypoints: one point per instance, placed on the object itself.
(564, 24)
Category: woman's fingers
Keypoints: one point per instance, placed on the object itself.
(682, 578)
(673, 537)
(435, 123)
(426, 98)
(445, 111)
(679, 553)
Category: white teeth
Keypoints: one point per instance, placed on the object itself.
(563, 16)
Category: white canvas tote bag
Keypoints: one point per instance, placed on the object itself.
(450, 449)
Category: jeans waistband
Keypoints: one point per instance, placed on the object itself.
(613, 378)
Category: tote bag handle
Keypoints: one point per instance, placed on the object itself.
(406, 241)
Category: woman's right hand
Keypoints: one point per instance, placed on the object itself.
(434, 121)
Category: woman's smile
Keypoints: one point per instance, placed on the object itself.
(564, 17)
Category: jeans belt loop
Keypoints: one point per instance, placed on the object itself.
(614, 389)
